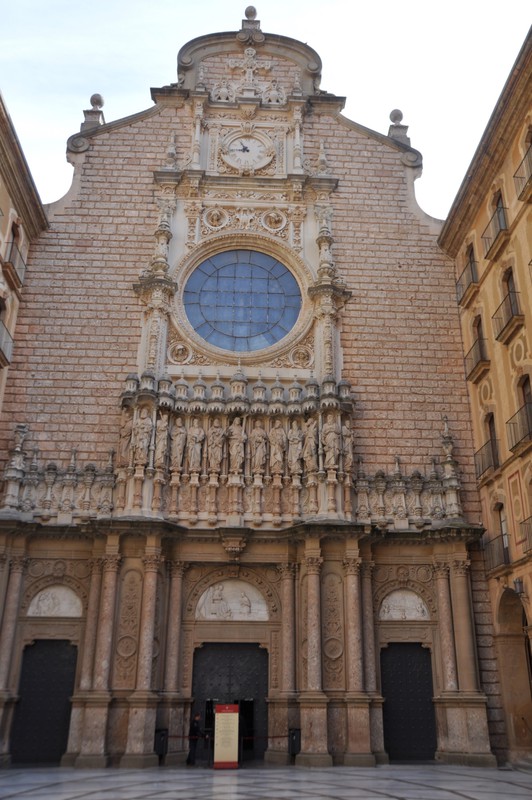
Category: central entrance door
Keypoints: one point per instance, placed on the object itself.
(408, 712)
(233, 673)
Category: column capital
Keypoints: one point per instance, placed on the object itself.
(287, 570)
(352, 566)
(95, 565)
(461, 566)
(367, 568)
(18, 563)
(177, 568)
(152, 562)
(313, 564)
(111, 563)
(440, 569)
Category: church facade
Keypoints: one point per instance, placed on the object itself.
(240, 460)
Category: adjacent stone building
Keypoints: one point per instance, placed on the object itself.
(489, 234)
(241, 465)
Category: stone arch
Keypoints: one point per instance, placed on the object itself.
(46, 583)
(223, 574)
(404, 604)
(412, 586)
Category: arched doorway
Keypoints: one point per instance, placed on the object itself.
(233, 673)
(513, 651)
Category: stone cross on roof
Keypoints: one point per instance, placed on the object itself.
(249, 64)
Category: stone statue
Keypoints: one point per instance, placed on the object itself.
(295, 448)
(195, 438)
(126, 433)
(258, 439)
(331, 442)
(347, 446)
(215, 441)
(310, 446)
(277, 447)
(179, 438)
(142, 437)
(161, 441)
(236, 438)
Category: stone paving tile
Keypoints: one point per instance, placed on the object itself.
(268, 783)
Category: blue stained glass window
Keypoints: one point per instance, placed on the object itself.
(242, 300)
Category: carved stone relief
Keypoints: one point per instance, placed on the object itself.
(332, 631)
(126, 647)
(233, 600)
(55, 601)
(403, 604)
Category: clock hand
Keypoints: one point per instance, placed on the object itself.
(245, 149)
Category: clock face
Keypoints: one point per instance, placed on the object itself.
(246, 152)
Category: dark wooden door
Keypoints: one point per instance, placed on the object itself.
(234, 673)
(42, 715)
(408, 712)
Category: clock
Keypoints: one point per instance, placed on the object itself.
(247, 152)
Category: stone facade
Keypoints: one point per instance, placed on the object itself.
(311, 492)
(491, 246)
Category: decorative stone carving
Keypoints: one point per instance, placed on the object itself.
(56, 601)
(233, 600)
(215, 441)
(236, 439)
(259, 442)
(195, 439)
(278, 442)
(403, 604)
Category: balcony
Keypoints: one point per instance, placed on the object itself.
(487, 457)
(519, 428)
(13, 266)
(477, 363)
(6, 346)
(523, 178)
(508, 319)
(496, 552)
(496, 234)
(467, 283)
(526, 534)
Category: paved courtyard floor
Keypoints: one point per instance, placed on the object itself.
(424, 782)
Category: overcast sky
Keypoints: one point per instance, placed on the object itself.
(443, 64)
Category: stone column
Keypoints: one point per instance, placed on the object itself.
(172, 707)
(358, 750)
(288, 673)
(85, 682)
(17, 565)
(92, 753)
(463, 627)
(312, 702)
(445, 627)
(9, 622)
(370, 665)
(142, 704)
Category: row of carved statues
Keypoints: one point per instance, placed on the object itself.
(159, 440)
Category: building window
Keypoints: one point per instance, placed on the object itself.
(242, 300)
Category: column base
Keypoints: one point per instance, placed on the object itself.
(5, 760)
(277, 757)
(314, 760)
(359, 760)
(139, 760)
(175, 759)
(467, 759)
(91, 762)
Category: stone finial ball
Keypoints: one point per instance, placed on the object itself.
(96, 101)
(250, 12)
(396, 116)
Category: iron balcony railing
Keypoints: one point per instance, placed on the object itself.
(526, 533)
(496, 226)
(477, 355)
(496, 552)
(507, 311)
(6, 345)
(487, 457)
(14, 257)
(466, 279)
(519, 427)
(523, 176)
